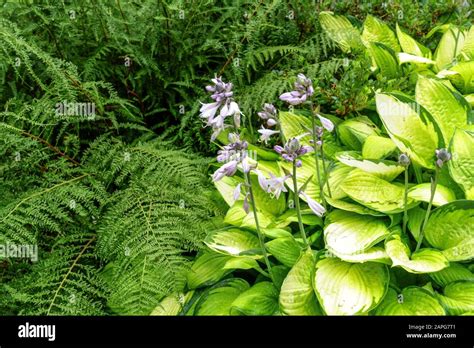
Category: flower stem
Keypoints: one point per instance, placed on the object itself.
(326, 170)
(405, 200)
(298, 209)
(316, 160)
(261, 237)
(434, 183)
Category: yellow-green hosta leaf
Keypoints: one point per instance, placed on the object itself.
(218, 300)
(234, 242)
(207, 269)
(265, 202)
(286, 250)
(306, 171)
(374, 254)
(413, 300)
(385, 59)
(409, 58)
(293, 125)
(341, 31)
(387, 170)
(354, 131)
(375, 193)
(336, 176)
(422, 261)
(377, 31)
(349, 288)
(376, 147)
(422, 192)
(458, 297)
(172, 304)
(448, 108)
(453, 273)
(410, 127)
(297, 296)
(241, 263)
(450, 228)
(449, 47)
(467, 51)
(260, 299)
(470, 99)
(352, 207)
(226, 187)
(349, 233)
(461, 167)
(461, 76)
(411, 46)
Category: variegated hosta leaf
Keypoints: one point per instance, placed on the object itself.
(413, 300)
(374, 254)
(411, 46)
(349, 288)
(376, 147)
(354, 131)
(172, 304)
(377, 31)
(454, 272)
(422, 261)
(467, 51)
(207, 269)
(234, 242)
(218, 299)
(337, 174)
(260, 299)
(387, 170)
(297, 296)
(450, 228)
(422, 192)
(458, 297)
(286, 250)
(351, 206)
(409, 58)
(461, 76)
(385, 59)
(306, 171)
(293, 125)
(341, 31)
(461, 167)
(449, 47)
(349, 233)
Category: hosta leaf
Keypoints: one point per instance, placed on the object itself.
(470, 99)
(375, 193)
(275, 233)
(413, 300)
(375, 254)
(234, 242)
(376, 147)
(304, 173)
(260, 299)
(458, 297)
(293, 125)
(207, 269)
(461, 76)
(387, 170)
(349, 288)
(422, 261)
(241, 263)
(409, 58)
(297, 295)
(453, 273)
(377, 31)
(264, 201)
(447, 107)
(354, 131)
(449, 47)
(385, 59)
(352, 207)
(467, 51)
(286, 250)
(410, 127)
(422, 192)
(341, 31)
(336, 176)
(451, 228)
(172, 304)
(461, 167)
(349, 233)
(226, 187)
(218, 300)
(410, 45)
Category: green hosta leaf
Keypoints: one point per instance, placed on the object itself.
(385, 59)
(307, 216)
(449, 47)
(352, 207)
(260, 299)
(410, 127)
(354, 131)
(172, 304)
(377, 31)
(293, 125)
(453, 273)
(411, 46)
(236, 214)
(349, 233)
(376, 147)
(422, 261)
(341, 31)
(461, 167)
(374, 254)
(207, 269)
(467, 51)
(458, 297)
(451, 228)
(218, 300)
(387, 170)
(264, 201)
(349, 288)
(461, 76)
(241, 263)
(412, 301)
(264, 220)
(375, 193)
(275, 233)
(422, 192)
(415, 220)
(470, 99)
(226, 187)
(234, 242)
(286, 250)
(297, 295)
(447, 107)
(336, 176)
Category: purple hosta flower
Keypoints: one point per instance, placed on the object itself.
(221, 90)
(316, 208)
(269, 114)
(326, 123)
(293, 149)
(246, 205)
(235, 150)
(404, 160)
(237, 191)
(442, 156)
(273, 185)
(266, 134)
(303, 90)
(227, 169)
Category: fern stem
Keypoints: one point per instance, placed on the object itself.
(434, 183)
(297, 204)
(261, 237)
